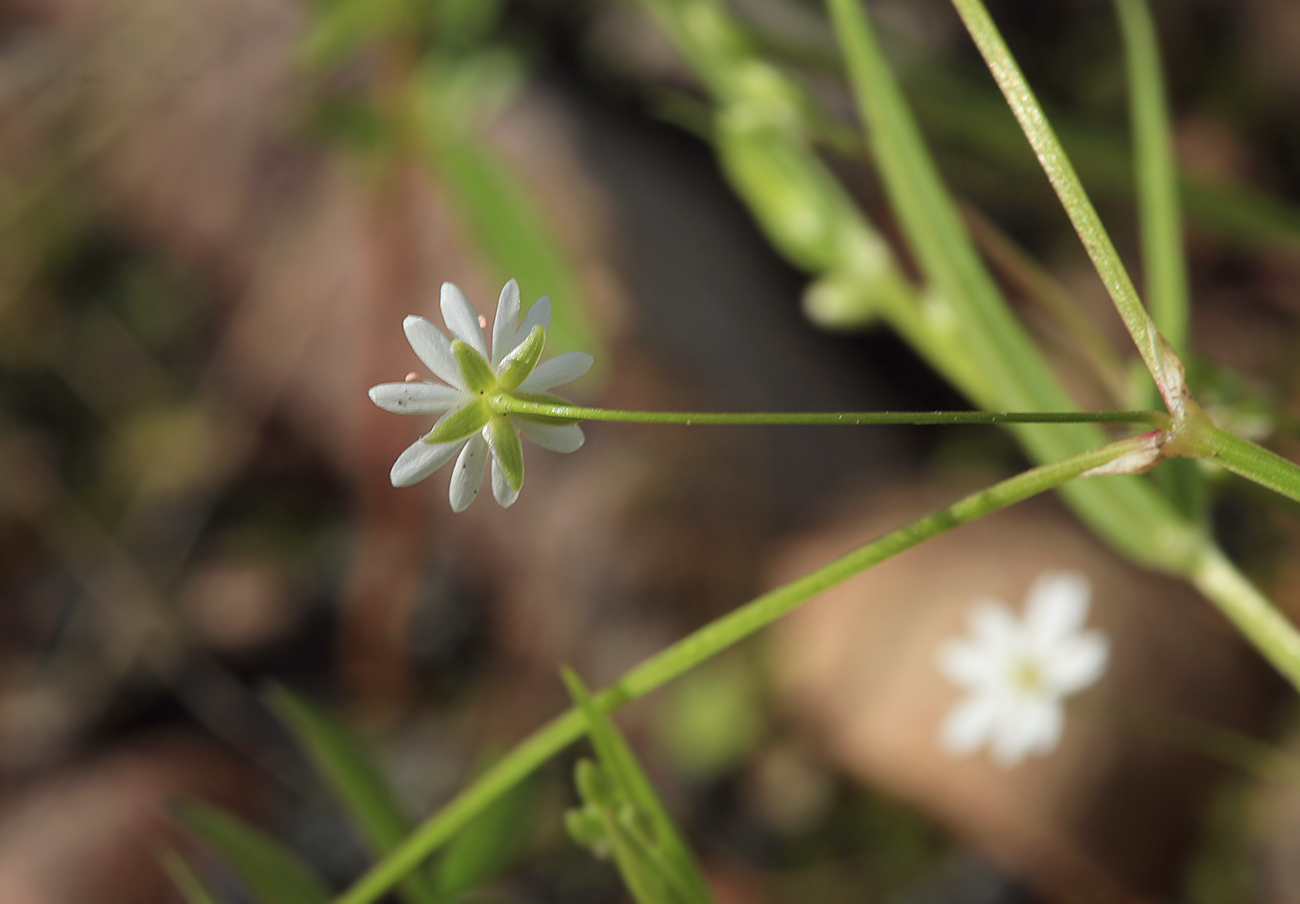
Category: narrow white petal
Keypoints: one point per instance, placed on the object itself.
(505, 494)
(1076, 663)
(506, 322)
(420, 460)
(461, 318)
(538, 315)
(1033, 725)
(467, 476)
(557, 371)
(1057, 606)
(568, 438)
(970, 724)
(415, 398)
(434, 349)
(970, 664)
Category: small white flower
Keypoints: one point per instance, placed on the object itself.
(472, 380)
(1018, 672)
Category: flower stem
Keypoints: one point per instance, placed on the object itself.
(700, 646)
(507, 405)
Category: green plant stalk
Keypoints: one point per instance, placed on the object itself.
(1159, 212)
(507, 405)
(1129, 513)
(1246, 459)
(1060, 172)
(689, 652)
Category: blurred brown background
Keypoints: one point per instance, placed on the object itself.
(209, 243)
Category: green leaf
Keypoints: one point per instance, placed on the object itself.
(671, 855)
(489, 844)
(347, 769)
(506, 449)
(460, 423)
(473, 367)
(520, 363)
(185, 880)
(271, 872)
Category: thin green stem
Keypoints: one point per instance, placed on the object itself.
(1060, 172)
(700, 646)
(508, 405)
(1251, 461)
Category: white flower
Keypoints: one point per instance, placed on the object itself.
(472, 380)
(1018, 672)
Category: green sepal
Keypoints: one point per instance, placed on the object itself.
(517, 365)
(504, 443)
(474, 368)
(460, 422)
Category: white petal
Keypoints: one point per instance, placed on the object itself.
(970, 664)
(538, 315)
(568, 438)
(1077, 663)
(557, 371)
(467, 476)
(420, 460)
(1057, 606)
(461, 318)
(993, 624)
(970, 724)
(415, 398)
(434, 349)
(506, 322)
(1031, 726)
(505, 494)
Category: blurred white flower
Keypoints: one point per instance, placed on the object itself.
(472, 379)
(1018, 672)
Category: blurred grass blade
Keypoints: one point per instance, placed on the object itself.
(933, 226)
(489, 844)
(1164, 259)
(1159, 212)
(344, 765)
(515, 239)
(1065, 181)
(185, 879)
(628, 781)
(273, 874)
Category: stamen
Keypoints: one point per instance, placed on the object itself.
(412, 377)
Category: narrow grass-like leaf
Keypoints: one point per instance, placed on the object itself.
(343, 763)
(675, 860)
(1159, 212)
(1164, 260)
(272, 873)
(184, 878)
(1064, 180)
